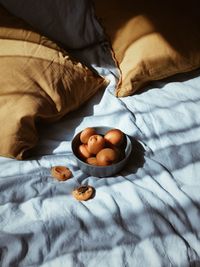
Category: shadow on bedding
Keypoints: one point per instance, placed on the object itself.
(155, 229)
(180, 78)
(52, 135)
(136, 160)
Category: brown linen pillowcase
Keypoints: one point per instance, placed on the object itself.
(151, 40)
(38, 82)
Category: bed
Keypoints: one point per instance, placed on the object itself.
(146, 215)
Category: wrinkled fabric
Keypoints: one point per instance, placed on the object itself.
(70, 23)
(146, 215)
(151, 40)
(39, 81)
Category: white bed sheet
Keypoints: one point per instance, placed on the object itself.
(147, 215)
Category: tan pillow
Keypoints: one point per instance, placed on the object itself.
(38, 81)
(151, 40)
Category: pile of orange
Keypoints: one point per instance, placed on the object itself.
(101, 150)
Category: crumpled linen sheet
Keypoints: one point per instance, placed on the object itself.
(146, 215)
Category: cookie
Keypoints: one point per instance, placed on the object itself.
(83, 192)
(61, 173)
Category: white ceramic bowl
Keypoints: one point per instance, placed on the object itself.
(101, 171)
